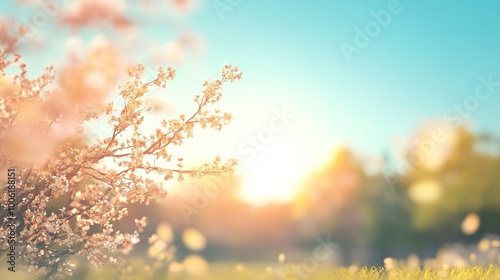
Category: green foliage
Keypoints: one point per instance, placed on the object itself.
(470, 183)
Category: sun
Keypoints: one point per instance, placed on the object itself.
(276, 173)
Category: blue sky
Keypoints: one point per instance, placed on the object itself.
(426, 59)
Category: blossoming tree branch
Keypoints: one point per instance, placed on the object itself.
(91, 184)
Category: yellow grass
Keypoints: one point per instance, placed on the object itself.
(252, 271)
(255, 271)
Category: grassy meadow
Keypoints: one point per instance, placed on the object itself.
(255, 271)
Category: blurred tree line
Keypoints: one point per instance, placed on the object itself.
(369, 215)
(428, 205)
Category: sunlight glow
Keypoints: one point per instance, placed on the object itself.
(277, 172)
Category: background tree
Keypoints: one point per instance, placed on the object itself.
(468, 182)
(333, 203)
(428, 206)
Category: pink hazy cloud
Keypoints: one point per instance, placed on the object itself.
(95, 12)
(175, 50)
